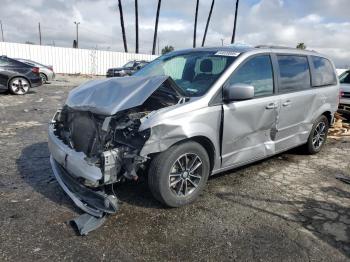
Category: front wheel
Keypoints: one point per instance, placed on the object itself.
(19, 86)
(178, 175)
(318, 135)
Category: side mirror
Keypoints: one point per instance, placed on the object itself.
(238, 92)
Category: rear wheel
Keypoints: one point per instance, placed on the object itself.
(318, 135)
(19, 86)
(178, 175)
(43, 78)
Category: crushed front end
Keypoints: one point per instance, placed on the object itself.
(93, 147)
(90, 151)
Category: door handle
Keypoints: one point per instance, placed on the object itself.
(271, 106)
(287, 103)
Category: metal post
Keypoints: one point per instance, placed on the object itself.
(2, 31)
(77, 31)
(39, 34)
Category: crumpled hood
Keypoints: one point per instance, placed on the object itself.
(109, 96)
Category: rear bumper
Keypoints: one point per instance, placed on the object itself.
(344, 101)
(35, 82)
(92, 202)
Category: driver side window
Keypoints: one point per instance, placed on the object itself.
(256, 72)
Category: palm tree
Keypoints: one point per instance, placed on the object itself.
(208, 20)
(195, 25)
(235, 23)
(137, 27)
(122, 25)
(301, 46)
(156, 28)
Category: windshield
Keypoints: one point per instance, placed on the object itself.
(193, 72)
(129, 64)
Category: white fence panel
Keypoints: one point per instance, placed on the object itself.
(71, 60)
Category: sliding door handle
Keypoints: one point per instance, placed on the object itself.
(271, 106)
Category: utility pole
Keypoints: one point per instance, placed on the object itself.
(39, 34)
(2, 31)
(235, 23)
(77, 25)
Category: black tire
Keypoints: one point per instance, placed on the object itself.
(311, 147)
(43, 78)
(19, 86)
(160, 176)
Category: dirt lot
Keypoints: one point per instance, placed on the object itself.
(289, 207)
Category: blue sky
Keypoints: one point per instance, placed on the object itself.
(323, 25)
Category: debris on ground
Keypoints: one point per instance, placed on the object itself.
(340, 127)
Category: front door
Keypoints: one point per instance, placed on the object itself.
(249, 127)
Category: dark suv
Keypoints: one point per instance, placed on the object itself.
(18, 77)
(126, 70)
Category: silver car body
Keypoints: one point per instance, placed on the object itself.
(345, 89)
(43, 69)
(234, 134)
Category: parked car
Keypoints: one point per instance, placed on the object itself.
(46, 72)
(126, 70)
(187, 115)
(18, 77)
(344, 79)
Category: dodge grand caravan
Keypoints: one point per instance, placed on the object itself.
(187, 115)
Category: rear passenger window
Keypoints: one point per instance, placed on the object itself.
(345, 78)
(294, 73)
(324, 73)
(256, 72)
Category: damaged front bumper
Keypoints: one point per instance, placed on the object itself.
(92, 202)
(68, 166)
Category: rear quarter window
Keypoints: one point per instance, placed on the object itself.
(323, 73)
(294, 73)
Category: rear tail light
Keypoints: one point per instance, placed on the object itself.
(35, 70)
(341, 94)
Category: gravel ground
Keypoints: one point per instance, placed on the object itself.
(287, 208)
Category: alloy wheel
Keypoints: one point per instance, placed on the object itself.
(319, 135)
(19, 86)
(185, 174)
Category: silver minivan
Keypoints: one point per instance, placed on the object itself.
(187, 115)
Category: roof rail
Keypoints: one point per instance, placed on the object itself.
(274, 47)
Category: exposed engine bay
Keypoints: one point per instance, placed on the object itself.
(112, 143)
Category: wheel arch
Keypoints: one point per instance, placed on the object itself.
(206, 143)
(329, 116)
